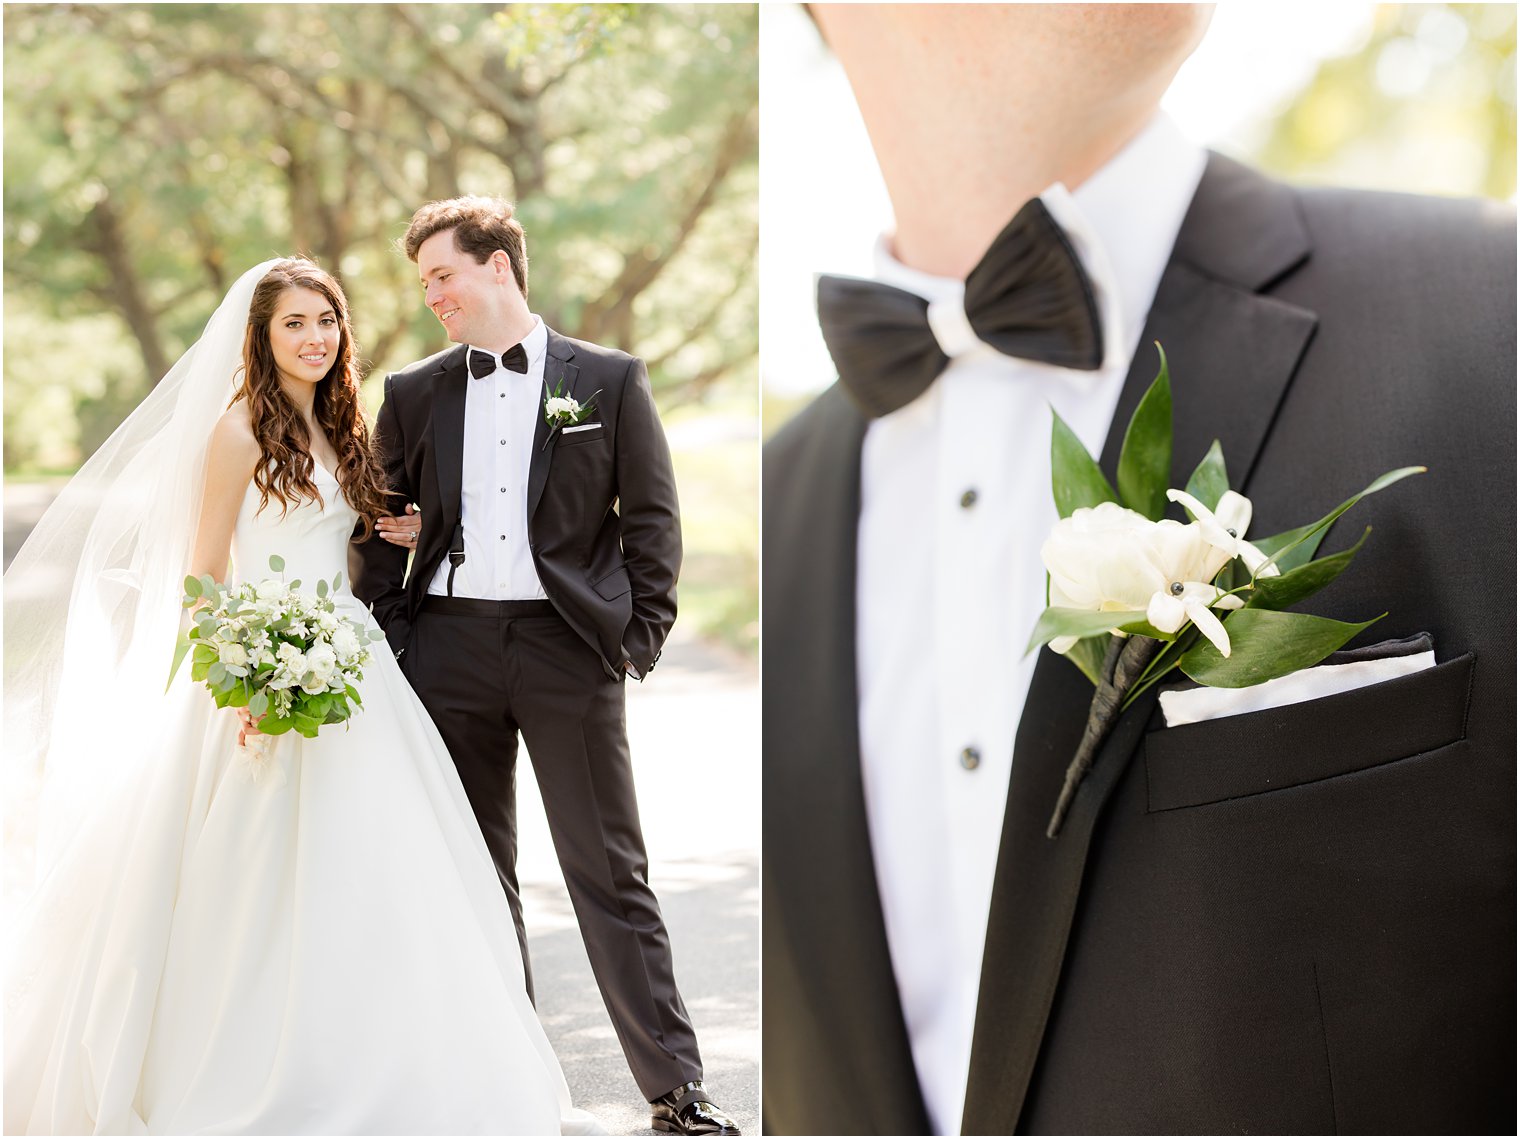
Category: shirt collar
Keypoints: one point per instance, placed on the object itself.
(1123, 222)
(534, 344)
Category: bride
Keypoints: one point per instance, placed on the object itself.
(314, 941)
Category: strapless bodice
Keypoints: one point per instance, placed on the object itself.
(312, 537)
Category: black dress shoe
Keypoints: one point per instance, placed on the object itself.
(686, 1110)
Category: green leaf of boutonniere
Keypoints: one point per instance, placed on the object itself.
(1075, 479)
(1061, 622)
(1210, 480)
(1266, 644)
(1087, 655)
(1145, 460)
(1301, 581)
(1294, 548)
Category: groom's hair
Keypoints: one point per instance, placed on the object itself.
(481, 226)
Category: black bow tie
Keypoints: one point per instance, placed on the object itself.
(482, 364)
(1028, 297)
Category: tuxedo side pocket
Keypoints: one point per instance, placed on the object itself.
(1215, 760)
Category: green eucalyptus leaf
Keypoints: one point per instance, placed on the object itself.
(1087, 655)
(1296, 547)
(217, 673)
(209, 586)
(182, 646)
(337, 582)
(193, 587)
(258, 704)
(272, 725)
(1210, 480)
(1145, 460)
(1302, 581)
(1075, 478)
(200, 670)
(321, 588)
(1266, 644)
(1057, 621)
(276, 563)
(376, 635)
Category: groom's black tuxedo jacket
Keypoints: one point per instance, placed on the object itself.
(603, 522)
(1298, 920)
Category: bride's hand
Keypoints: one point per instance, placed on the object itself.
(400, 530)
(247, 726)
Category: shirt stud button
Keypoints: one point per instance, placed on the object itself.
(503, 442)
(968, 499)
(971, 758)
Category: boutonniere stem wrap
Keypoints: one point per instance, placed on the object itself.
(1134, 595)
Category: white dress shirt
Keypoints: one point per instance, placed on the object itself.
(500, 414)
(956, 501)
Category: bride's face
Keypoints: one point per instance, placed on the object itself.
(304, 335)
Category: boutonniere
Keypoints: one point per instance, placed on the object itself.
(561, 411)
(1133, 595)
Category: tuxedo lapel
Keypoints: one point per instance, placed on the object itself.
(812, 741)
(558, 371)
(1232, 353)
(450, 384)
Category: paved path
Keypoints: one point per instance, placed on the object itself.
(694, 730)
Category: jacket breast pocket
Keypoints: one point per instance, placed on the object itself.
(582, 434)
(1238, 756)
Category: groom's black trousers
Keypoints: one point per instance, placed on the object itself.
(486, 670)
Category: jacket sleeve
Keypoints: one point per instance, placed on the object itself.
(376, 567)
(650, 520)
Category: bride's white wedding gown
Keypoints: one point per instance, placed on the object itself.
(318, 943)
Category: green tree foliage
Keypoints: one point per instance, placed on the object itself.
(154, 151)
(1427, 104)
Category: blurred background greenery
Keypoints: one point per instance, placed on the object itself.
(1411, 97)
(154, 151)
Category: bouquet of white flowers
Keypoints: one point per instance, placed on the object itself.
(284, 655)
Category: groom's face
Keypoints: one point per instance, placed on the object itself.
(471, 299)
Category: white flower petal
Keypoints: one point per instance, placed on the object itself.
(1166, 612)
(1255, 559)
(1063, 645)
(1210, 626)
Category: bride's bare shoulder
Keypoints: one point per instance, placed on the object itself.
(233, 439)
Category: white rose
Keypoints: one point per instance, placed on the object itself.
(558, 406)
(1109, 559)
(321, 663)
(233, 654)
(272, 590)
(345, 642)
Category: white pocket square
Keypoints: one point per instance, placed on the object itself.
(579, 427)
(1194, 705)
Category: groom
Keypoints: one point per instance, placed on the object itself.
(544, 573)
(1299, 919)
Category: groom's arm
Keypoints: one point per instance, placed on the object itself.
(376, 567)
(650, 520)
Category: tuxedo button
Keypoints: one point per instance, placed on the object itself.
(968, 499)
(971, 758)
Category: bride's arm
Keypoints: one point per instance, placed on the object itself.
(233, 455)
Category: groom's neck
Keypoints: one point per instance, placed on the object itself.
(974, 109)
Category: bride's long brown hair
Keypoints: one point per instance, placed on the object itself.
(285, 469)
